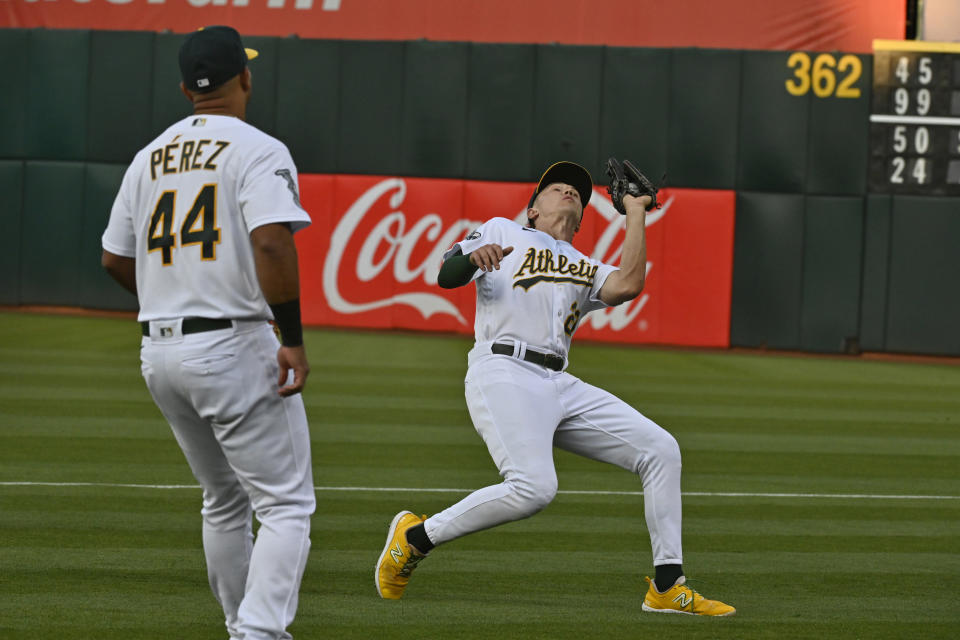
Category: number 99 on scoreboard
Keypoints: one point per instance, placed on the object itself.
(915, 118)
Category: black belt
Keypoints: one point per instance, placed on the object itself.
(548, 360)
(194, 325)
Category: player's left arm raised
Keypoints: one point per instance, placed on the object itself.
(627, 282)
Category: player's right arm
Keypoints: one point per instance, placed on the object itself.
(458, 269)
(122, 269)
(275, 256)
(118, 241)
(482, 249)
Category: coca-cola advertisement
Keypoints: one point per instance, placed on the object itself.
(372, 256)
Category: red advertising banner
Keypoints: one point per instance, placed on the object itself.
(819, 25)
(372, 256)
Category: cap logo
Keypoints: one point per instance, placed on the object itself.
(203, 82)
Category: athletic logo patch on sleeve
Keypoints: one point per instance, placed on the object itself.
(285, 174)
(473, 235)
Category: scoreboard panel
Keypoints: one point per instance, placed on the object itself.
(915, 118)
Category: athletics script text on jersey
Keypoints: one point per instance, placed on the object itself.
(540, 266)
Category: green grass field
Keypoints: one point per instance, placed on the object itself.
(95, 543)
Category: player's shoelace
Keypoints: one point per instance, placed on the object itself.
(696, 598)
(412, 561)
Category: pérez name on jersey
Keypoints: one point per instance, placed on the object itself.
(186, 155)
(540, 266)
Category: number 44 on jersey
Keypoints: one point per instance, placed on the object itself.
(199, 227)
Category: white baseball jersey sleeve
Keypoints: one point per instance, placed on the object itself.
(185, 210)
(541, 292)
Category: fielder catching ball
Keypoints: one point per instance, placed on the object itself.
(533, 289)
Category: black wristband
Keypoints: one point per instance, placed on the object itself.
(286, 315)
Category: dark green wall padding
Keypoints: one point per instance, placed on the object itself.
(767, 275)
(924, 295)
(11, 186)
(57, 96)
(119, 94)
(830, 308)
(97, 289)
(876, 267)
(13, 88)
(773, 157)
(819, 264)
(50, 232)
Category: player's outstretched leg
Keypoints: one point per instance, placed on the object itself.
(399, 558)
(682, 599)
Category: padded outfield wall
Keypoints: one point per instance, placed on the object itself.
(817, 262)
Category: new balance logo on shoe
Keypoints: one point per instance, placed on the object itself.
(682, 599)
(396, 553)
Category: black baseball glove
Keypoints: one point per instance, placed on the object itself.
(626, 180)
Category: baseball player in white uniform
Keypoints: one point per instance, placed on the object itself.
(533, 289)
(202, 232)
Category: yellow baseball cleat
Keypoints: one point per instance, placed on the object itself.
(398, 559)
(682, 599)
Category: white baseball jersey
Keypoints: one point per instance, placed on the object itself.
(185, 210)
(541, 291)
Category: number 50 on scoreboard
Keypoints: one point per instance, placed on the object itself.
(915, 119)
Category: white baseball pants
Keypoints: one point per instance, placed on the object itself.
(522, 411)
(250, 450)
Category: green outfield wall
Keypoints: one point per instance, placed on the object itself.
(820, 264)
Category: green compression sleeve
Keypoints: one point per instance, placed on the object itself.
(456, 271)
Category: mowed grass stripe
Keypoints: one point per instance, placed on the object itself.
(774, 412)
(463, 491)
(776, 391)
